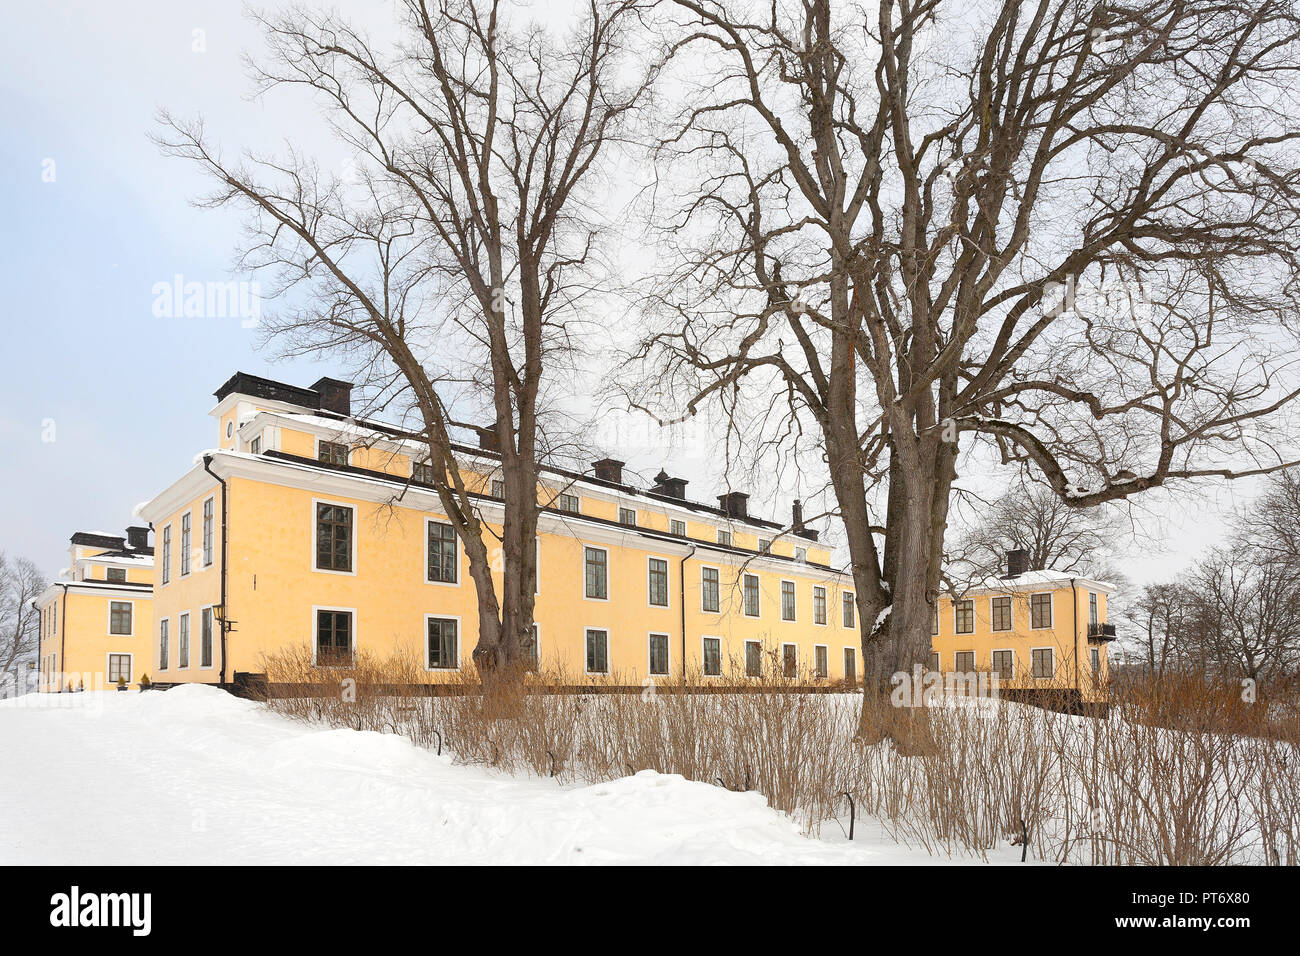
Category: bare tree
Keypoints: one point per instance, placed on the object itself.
(1065, 236)
(451, 266)
(1033, 518)
(1247, 615)
(21, 582)
(1162, 617)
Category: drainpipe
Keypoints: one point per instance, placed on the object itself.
(1074, 597)
(63, 635)
(225, 553)
(40, 642)
(682, 598)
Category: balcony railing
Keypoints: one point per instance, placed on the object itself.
(1101, 632)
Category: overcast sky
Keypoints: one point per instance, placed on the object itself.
(94, 218)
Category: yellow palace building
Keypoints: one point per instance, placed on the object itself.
(305, 527)
(96, 621)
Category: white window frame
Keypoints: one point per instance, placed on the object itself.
(710, 567)
(609, 655)
(758, 589)
(724, 538)
(649, 666)
(826, 605)
(208, 531)
(704, 656)
(315, 528)
(347, 458)
(582, 580)
(460, 643)
(794, 593)
(1051, 611)
(853, 603)
(632, 512)
(998, 650)
(164, 622)
(188, 631)
(672, 526)
(166, 554)
(849, 648)
(1011, 617)
(955, 604)
(111, 654)
(827, 649)
(1050, 650)
(216, 640)
(352, 636)
(455, 540)
(187, 564)
(745, 662)
(127, 601)
(784, 645)
(559, 498)
(668, 582)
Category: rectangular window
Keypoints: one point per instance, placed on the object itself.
(657, 583)
(627, 516)
(724, 537)
(801, 555)
(1040, 610)
(712, 656)
(1001, 608)
(205, 637)
(710, 600)
(116, 575)
(659, 655)
(569, 503)
(596, 573)
(850, 665)
(255, 446)
(751, 595)
(964, 616)
(764, 545)
(207, 532)
(1093, 617)
(934, 620)
(332, 453)
(753, 659)
(333, 638)
(333, 537)
(163, 649)
(119, 668)
(821, 661)
(422, 473)
(597, 651)
(167, 554)
(934, 661)
(498, 488)
(119, 617)
(444, 646)
(1004, 664)
(677, 527)
(819, 605)
(442, 553)
(787, 601)
(1094, 656)
(789, 660)
(183, 642)
(1043, 661)
(185, 543)
(964, 661)
(849, 610)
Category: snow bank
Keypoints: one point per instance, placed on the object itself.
(192, 775)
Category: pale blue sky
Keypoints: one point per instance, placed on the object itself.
(128, 392)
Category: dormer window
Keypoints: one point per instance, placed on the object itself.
(422, 473)
(332, 453)
(116, 574)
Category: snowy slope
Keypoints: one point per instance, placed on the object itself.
(193, 775)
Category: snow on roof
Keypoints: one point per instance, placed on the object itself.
(1032, 579)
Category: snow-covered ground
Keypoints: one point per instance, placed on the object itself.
(193, 775)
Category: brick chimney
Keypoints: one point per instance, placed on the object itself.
(335, 395)
(796, 522)
(137, 538)
(669, 486)
(487, 438)
(734, 504)
(609, 469)
(1017, 562)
